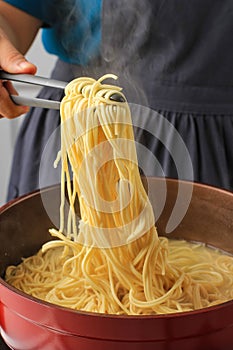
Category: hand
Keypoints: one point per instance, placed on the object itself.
(12, 61)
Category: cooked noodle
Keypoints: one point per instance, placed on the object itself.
(112, 259)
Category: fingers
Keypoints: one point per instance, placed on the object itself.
(12, 61)
(8, 109)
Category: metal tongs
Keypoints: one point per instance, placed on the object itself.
(34, 80)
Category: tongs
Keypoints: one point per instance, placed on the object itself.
(34, 80)
(37, 80)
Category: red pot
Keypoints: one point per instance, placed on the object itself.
(30, 324)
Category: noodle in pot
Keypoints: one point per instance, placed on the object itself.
(112, 259)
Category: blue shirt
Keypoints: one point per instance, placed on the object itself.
(72, 28)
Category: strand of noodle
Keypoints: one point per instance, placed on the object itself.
(112, 288)
(159, 300)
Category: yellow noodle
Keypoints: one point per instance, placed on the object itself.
(112, 259)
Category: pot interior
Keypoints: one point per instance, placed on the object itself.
(24, 223)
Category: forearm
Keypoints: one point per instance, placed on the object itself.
(17, 32)
(7, 33)
(18, 27)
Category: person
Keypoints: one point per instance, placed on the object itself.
(174, 57)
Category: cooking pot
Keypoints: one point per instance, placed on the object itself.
(31, 324)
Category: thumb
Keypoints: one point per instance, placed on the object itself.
(12, 61)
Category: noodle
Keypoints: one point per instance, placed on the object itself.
(112, 259)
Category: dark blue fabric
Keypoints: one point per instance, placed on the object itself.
(36, 130)
(174, 57)
(207, 137)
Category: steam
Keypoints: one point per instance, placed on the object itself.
(125, 29)
(69, 17)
